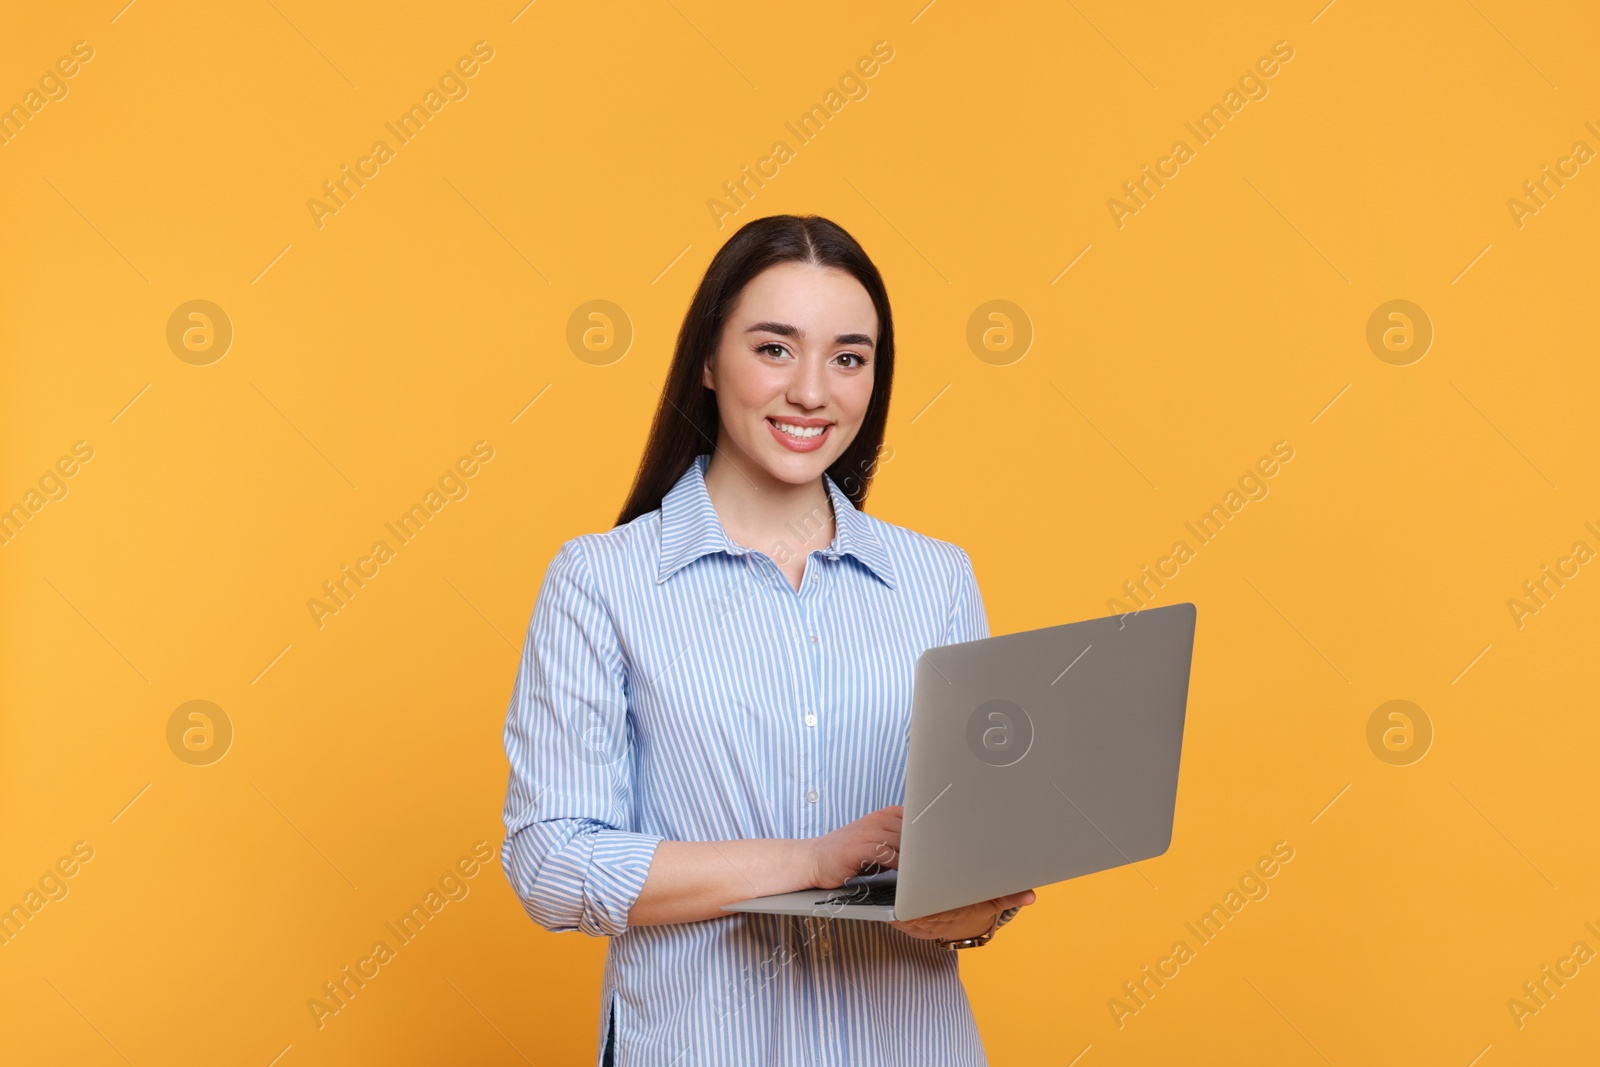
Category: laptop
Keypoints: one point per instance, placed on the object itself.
(1033, 758)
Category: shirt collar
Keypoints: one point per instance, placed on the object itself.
(690, 528)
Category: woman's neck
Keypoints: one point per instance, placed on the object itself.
(759, 511)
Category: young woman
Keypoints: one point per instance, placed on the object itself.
(714, 697)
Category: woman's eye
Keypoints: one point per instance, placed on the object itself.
(772, 345)
(859, 362)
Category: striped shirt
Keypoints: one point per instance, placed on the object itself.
(675, 685)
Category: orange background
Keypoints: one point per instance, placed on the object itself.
(370, 353)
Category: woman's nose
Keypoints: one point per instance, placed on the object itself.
(809, 386)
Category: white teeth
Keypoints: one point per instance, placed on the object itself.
(799, 431)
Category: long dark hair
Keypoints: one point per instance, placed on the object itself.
(686, 419)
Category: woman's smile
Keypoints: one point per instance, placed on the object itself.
(800, 435)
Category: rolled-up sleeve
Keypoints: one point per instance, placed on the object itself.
(571, 852)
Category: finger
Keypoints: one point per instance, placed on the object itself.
(956, 916)
(878, 862)
(885, 844)
(887, 859)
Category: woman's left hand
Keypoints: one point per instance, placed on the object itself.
(970, 921)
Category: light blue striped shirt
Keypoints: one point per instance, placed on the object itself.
(675, 685)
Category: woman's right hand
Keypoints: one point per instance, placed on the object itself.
(866, 846)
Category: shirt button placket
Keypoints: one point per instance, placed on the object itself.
(805, 693)
(811, 650)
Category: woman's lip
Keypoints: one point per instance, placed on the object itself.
(800, 444)
(798, 420)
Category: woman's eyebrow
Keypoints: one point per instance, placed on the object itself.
(783, 329)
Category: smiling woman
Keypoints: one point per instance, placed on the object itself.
(775, 385)
(813, 270)
(696, 721)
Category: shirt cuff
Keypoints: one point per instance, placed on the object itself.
(618, 865)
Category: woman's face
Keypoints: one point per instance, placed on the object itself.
(794, 370)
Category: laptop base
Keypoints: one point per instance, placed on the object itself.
(828, 902)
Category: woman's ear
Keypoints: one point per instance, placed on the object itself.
(705, 375)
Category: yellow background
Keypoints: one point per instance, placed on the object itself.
(369, 354)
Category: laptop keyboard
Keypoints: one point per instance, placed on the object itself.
(867, 895)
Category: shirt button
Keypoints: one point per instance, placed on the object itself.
(815, 580)
(811, 719)
(813, 639)
(811, 795)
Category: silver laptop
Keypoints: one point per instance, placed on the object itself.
(1034, 757)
